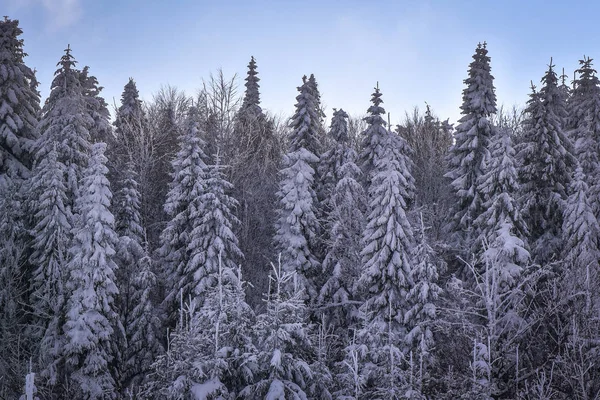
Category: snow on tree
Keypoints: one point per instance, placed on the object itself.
(131, 125)
(387, 261)
(422, 315)
(297, 227)
(212, 241)
(470, 152)
(91, 315)
(65, 122)
(499, 186)
(136, 282)
(580, 236)
(51, 238)
(182, 208)
(321, 133)
(212, 353)
(583, 127)
(19, 104)
(345, 223)
(373, 138)
(545, 162)
(96, 106)
(388, 237)
(282, 341)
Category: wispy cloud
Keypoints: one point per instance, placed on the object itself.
(58, 14)
(62, 13)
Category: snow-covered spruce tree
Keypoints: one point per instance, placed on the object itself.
(470, 151)
(583, 128)
(211, 241)
(545, 160)
(19, 104)
(51, 238)
(420, 319)
(580, 250)
(91, 313)
(65, 122)
(499, 185)
(283, 341)
(136, 282)
(297, 227)
(387, 261)
(96, 106)
(253, 172)
(345, 224)
(182, 208)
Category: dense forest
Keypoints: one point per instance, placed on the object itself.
(202, 248)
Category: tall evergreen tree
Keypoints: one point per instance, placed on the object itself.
(583, 127)
(387, 258)
(422, 316)
(345, 223)
(253, 173)
(297, 227)
(66, 122)
(139, 345)
(212, 241)
(182, 207)
(51, 238)
(91, 313)
(499, 186)
(19, 104)
(545, 162)
(470, 151)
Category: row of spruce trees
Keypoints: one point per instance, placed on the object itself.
(198, 249)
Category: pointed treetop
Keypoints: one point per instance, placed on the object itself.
(251, 100)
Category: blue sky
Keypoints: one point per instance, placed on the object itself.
(418, 50)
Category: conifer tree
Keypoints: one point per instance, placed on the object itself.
(136, 282)
(297, 227)
(345, 223)
(19, 104)
(583, 127)
(253, 173)
(545, 162)
(422, 315)
(500, 187)
(182, 207)
(580, 235)
(373, 138)
(470, 151)
(51, 238)
(212, 241)
(387, 259)
(91, 313)
(65, 122)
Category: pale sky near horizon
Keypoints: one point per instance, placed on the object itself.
(419, 51)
